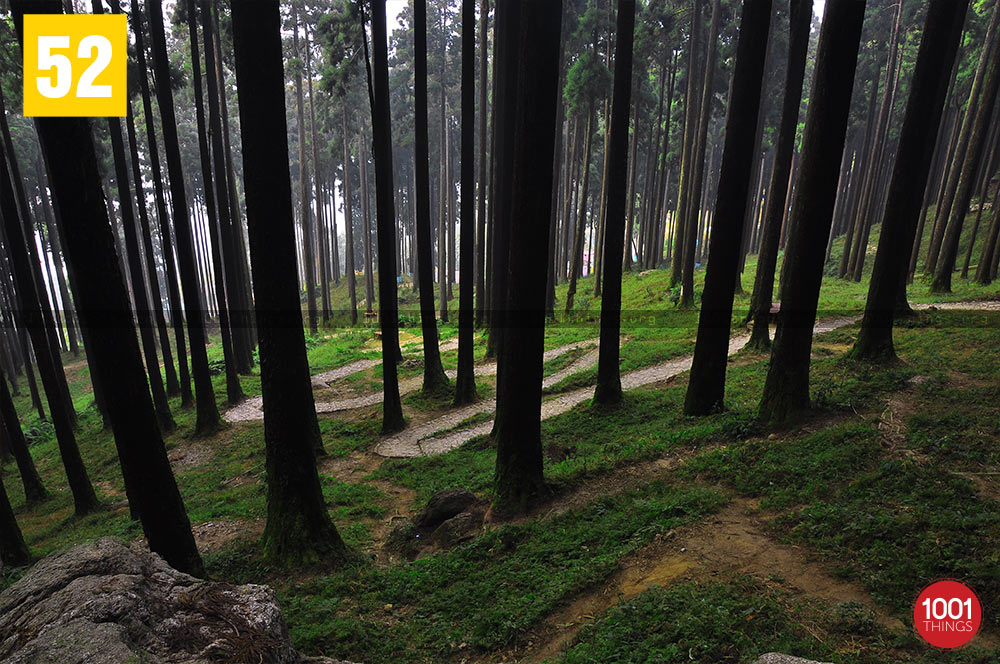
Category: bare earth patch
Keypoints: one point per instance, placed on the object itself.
(733, 542)
(213, 536)
(189, 454)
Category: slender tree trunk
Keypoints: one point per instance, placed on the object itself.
(234, 391)
(707, 385)
(687, 156)
(943, 213)
(84, 498)
(434, 377)
(34, 490)
(308, 259)
(349, 269)
(698, 159)
(392, 412)
(967, 175)
(576, 260)
(465, 383)
(928, 87)
(786, 390)
(177, 314)
(767, 258)
(609, 385)
(484, 20)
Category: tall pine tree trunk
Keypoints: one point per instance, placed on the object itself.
(707, 385)
(786, 389)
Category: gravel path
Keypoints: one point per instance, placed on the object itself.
(421, 441)
(251, 409)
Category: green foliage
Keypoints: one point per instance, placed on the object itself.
(587, 82)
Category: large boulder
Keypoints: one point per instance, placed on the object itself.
(778, 658)
(442, 506)
(109, 602)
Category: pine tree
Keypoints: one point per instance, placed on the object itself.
(707, 385)
(298, 527)
(911, 171)
(609, 384)
(519, 481)
(786, 389)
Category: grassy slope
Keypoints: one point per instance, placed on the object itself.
(810, 483)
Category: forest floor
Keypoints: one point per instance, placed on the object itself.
(665, 538)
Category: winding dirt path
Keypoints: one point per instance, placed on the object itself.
(425, 439)
(420, 440)
(251, 409)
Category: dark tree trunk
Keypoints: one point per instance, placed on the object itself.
(974, 154)
(324, 281)
(216, 203)
(177, 315)
(349, 269)
(366, 226)
(298, 527)
(465, 383)
(392, 410)
(609, 384)
(34, 490)
(519, 481)
(305, 215)
(103, 301)
(484, 21)
(134, 262)
(13, 551)
(690, 119)
(576, 260)
(208, 412)
(950, 198)
(767, 258)
(928, 87)
(505, 80)
(707, 384)
(84, 499)
(698, 159)
(47, 343)
(235, 283)
(786, 390)
(434, 377)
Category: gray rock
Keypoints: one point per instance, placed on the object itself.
(458, 528)
(442, 506)
(778, 658)
(108, 602)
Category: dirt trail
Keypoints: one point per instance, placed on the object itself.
(733, 542)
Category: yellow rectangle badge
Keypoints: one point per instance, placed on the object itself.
(74, 65)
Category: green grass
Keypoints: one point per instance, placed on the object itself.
(833, 487)
(737, 621)
(483, 594)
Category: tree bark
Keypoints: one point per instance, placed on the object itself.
(707, 384)
(434, 377)
(519, 481)
(786, 389)
(299, 529)
(767, 258)
(465, 383)
(609, 385)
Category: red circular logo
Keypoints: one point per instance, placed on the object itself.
(947, 614)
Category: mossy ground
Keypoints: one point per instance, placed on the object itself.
(891, 482)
